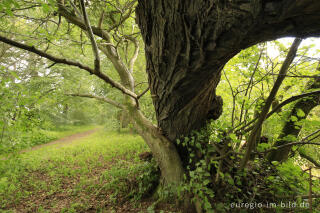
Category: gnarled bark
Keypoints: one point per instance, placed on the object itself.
(187, 43)
(162, 149)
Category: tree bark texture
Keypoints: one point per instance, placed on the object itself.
(162, 149)
(187, 44)
(290, 128)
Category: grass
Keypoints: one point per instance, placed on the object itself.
(23, 140)
(99, 173)
(67, 130)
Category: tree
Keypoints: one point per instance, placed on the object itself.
(187, 44)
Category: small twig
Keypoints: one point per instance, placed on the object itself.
(51, 65)
(75, 9)
(144, 92)
(221, 157)
(106, 100)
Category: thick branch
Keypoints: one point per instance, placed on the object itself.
(108, 49)
(121, 68)
(77, 21)
(106, 100)
(57, 60)
(136, 52)
(90, 34)
(253, 136)
(282, 104)
(309, 158)
(289, 144)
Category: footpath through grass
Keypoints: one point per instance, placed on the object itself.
(25, 140)
(99, 173)
(67, 131)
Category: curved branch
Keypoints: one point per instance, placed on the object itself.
(293, 98)
(136, 52)
(57, 60)
(309, 158)
(288, 144)
(106, 100)
(282, 104)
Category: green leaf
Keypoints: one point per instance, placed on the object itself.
(294, 118)
(206, 182)
(262, 147)
(294, 148)
(300, 113)
(230, 181)
(207, 205)
(233, 136)
(198, 145)
(45, 8)
(9, 12)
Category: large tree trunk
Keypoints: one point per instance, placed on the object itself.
(187, 44)
(290, 128)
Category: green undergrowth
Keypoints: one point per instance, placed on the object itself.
(92, 174)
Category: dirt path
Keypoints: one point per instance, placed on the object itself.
(65, 140)
(61, 141)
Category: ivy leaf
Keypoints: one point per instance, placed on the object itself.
(262, 146)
